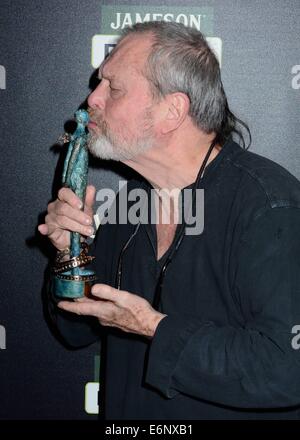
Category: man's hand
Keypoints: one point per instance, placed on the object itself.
(65, 214)
(117, 308)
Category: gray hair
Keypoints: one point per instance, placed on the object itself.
(182, 61)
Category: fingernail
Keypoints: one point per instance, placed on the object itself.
(88, 221)
(89, 231)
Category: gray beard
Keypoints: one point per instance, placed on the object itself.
(104, 148)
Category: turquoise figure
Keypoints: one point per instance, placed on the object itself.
(71, 279)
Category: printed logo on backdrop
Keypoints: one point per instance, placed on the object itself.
(2, 338)
(296, 77)
(91, 404)
(2, 78)
(114, 18)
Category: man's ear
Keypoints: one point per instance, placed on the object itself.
(178, 105)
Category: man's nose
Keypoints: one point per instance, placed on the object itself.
(97, 98)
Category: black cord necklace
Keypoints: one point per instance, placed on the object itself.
(181, 233)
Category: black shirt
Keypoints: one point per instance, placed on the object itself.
(232, 298)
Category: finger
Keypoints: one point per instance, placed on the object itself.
(61, 222)
(90, 197)
(86, 308)
(83, 308)
(64, 209)
(103, 291)
(84, 299)
(68, 196)
(43, 229)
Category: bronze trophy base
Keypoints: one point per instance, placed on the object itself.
(70, 279)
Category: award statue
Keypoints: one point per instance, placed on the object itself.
(70, 278)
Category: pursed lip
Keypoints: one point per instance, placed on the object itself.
(92, 124)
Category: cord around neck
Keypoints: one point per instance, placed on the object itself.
(181, 233)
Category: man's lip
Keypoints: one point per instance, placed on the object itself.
(92, 124)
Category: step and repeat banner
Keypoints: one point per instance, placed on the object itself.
(49, 52)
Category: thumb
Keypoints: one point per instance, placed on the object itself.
(89, 199)
(43, 229)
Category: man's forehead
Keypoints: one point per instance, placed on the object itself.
(111, 70)
(131, 53)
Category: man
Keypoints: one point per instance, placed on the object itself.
(217, 341)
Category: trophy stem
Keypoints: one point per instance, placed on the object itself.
(71, 279)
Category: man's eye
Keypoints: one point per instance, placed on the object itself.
(113, 89)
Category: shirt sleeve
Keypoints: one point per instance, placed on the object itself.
(256, 365)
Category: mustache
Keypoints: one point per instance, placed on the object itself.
(98, 119)
(94, 115)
